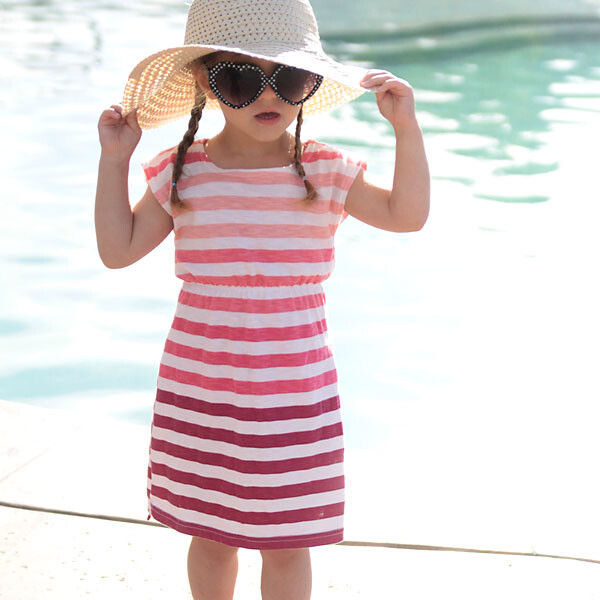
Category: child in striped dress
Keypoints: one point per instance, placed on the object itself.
(246, 442)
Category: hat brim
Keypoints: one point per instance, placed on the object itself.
(162, 87)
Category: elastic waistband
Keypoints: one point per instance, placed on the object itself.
(252, 292)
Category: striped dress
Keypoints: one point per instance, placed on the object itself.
(246, 441)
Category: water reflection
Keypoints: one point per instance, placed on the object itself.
(448, 339)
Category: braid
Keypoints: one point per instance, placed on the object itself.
(311, 192)
(183, 147)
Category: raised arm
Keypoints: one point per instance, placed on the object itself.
(406, 206)
(124, 235)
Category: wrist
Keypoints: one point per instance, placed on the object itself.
(115, 160)
(407, 127)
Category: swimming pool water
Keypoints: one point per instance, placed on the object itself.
(467, 353)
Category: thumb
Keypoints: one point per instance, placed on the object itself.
(132, 120)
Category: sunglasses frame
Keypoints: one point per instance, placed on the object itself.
(264, 81)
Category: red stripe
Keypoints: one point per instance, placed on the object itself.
(247, 361)
(252, 388)
(240, 541)
(230, 255)
(247, 334)
(250, 492)
(281, 413)
(246, 440)
(259, 467)
(249, 305)
(250, 518)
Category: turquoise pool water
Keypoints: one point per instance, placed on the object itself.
(467, 353)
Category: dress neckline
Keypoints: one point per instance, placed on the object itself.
(202, 144)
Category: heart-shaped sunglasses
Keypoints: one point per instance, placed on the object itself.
(239, 84)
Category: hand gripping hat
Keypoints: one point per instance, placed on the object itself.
(162, 86)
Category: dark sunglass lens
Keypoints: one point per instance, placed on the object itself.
(237, 85)
(295, 84)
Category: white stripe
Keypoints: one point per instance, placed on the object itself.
(251, 531)
(249, 505)
(240, 374)
(247, 479)
(226, 243)
(250, 320)
(245, 453)
(277, 269)
(257, 217)
(253, 292)
(248, 427)
(248, 400)
(249, 348)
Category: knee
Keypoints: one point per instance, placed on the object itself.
(207, 550)
(286, 556)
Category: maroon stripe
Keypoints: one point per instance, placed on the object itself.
(259, 467)
(248, 361)
(252, 305)
(245, 440)
(250, 518)
(248, 334)
(250, 492)
(258, 388)
(281, 413)
(240, 541)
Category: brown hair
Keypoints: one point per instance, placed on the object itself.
(188, 139)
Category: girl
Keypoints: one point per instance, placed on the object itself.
(246, 441)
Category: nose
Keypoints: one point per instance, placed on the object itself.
(268, 93)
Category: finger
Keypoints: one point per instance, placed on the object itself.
(118, 108)
(132, 120)
(110, 116)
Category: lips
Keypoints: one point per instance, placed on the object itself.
(267, 117)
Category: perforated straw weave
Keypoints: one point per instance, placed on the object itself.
(163, 88)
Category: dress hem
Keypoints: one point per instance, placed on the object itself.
(229, 539)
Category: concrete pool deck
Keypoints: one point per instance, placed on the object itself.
(53, 460)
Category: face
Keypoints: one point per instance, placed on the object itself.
(265, 119)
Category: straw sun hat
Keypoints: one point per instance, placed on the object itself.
(163, 88)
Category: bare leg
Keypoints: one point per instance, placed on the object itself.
(286, 574)
(212, 570)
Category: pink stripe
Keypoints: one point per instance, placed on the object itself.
(253, 280)
(251, 388)
(254, 230)
(247, 361)
(251, 177)
(280, 203)
(250, 518)
(246, 440)
(247, 334)
(338, 180)
(263, 415)
(250, 492)
(254, 306)
(230, 255)
(259, 467)
(239, 541)
(152, 171)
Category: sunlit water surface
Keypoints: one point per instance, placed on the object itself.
(467, 353)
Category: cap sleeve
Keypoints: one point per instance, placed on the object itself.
(351, 168)
(158, 172)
